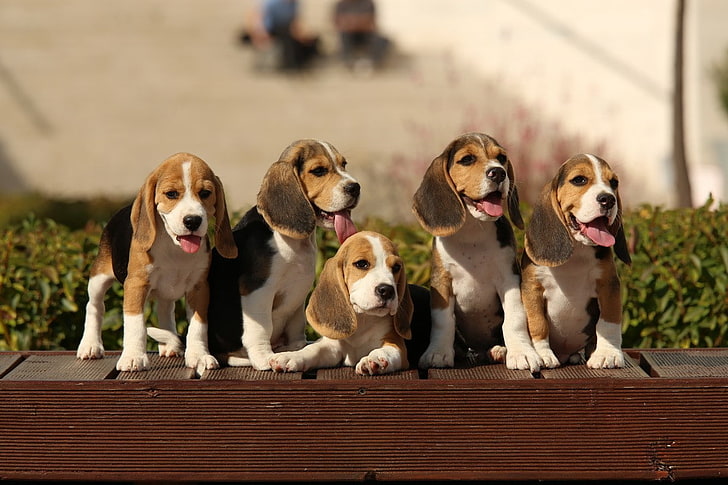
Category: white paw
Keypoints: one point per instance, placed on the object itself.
(374, 363)
(90, 350)
(497, 353)
(606, 359)
(175, 349)
(132, 362)
(549, 359)
(286, 362)
(437, 358)
(523, 358)
(201, 361)
(261, 361)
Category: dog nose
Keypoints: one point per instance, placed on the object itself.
(192, 222)
(605, 200)
(384, 291)
(496, 174)
(353, 189)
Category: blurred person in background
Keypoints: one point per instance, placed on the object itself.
(276, 31)
(362, 48)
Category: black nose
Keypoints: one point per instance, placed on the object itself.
(607, 201)
(353, 189)
(496, 174)
(384, 291)
(192, 222)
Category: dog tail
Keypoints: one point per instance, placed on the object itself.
(163, 336)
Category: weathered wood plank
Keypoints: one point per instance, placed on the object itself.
(631, 370)
(689, 364)
(8, 361)
(485, 372)
(161, 368)
(49, 367)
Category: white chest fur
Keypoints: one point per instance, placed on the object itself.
(174, 272)
(568, 290)
(480, 268)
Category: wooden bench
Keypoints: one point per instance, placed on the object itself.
(665, 416)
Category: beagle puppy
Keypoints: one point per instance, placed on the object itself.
(258, 299)
(570, 286)
(361, 307)
(475, 283)
(158, 247)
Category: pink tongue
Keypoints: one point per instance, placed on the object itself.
(491, 205)
(343, 225)
(190, 244)
(598, 232)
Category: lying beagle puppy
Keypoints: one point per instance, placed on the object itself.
(267, 285)
(475, 281)
(158, 247)
(361, 307)
(570, 286)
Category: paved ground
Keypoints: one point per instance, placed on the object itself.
(95, 94)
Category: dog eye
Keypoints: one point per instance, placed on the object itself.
(467, 160)
(396, 267)
(502, 158)
(344, 163)
(361, 264)
(204, 193)
(319, 171)
(614, 183)
(579, 180)
(171, 194)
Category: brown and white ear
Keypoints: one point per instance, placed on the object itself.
(548, 242)
(620, 245)
(223, 233)
(405, 308)
(329, 310)
(437, 205)
(282, 202)
(514, 202)
(144, 213)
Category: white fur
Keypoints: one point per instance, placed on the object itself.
(482, 282)
(91, 345)
(134, 354)
(608, 353)
(589, 208)
(568, 289)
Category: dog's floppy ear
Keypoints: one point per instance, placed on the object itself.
(224, 241)
(514, 203)
(620, 245)
(281, 200)
(329, 310)
(437, 205)
(548, 242)
(144, 213)
(405, 308)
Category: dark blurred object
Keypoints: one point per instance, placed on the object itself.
(361, 45)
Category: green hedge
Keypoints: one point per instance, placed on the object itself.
(674, 293)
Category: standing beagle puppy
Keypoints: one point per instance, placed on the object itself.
(570, 286)
(258, 299)
(475, 284)
(361, 307)
(158, 247)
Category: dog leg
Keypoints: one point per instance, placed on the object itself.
(608, 353)
(383, 360)
(520, 353)
(324, 352)
(91, 345)
(172, 345)
(441, 351)
(198, 354)
(295, 332)
(134, 355)
(258, 328)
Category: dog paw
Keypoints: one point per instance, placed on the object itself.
(90, 350)
(374, 364)
(606, 359)
(132, 362)
(171, 350)
(437, 358)
(286, 362)
(261, 361)
(523, 358)
(201, 361)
